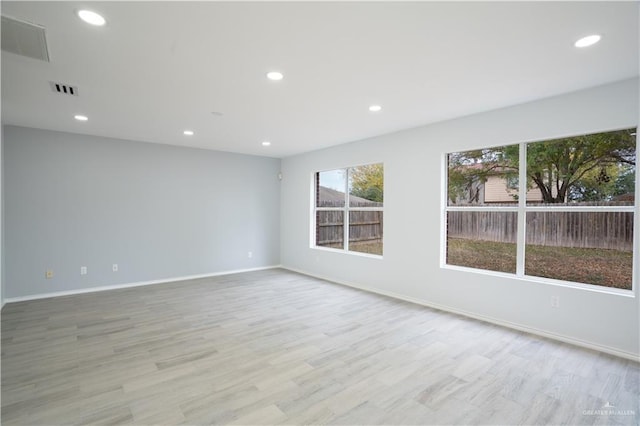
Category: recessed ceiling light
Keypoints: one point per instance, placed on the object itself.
(588, 40)
(91, 17)
(266, 143)
(275, 75)
(188, 132)
(81, 117)
(375, 108)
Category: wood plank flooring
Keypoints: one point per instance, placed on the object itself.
(276, 347)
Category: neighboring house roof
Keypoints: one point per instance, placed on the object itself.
(328, 194)
(625, 197)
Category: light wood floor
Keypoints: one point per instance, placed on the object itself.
(275, 347)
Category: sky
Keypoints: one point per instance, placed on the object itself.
(333, 179)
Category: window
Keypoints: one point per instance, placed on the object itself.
(558, 209)
(349, 209)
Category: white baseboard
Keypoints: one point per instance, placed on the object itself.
(128, 285)
(515, 326)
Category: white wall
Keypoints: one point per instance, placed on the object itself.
(158, 211)
(414, 166)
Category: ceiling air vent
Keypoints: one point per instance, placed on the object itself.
(25, 39)
(64, 89)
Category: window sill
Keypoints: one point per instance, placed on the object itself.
(546, 281)
(354, 253)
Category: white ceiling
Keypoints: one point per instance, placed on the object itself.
(158, 68)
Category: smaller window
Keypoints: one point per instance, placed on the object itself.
(349, 209)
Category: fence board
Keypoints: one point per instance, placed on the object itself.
(608, 230)
(363, 226)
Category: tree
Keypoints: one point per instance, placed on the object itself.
(595, 185)
(556, 167)
(367, 182)
(625, 183)
(469, 170)
(580, 168)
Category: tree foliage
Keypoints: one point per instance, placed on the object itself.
(367, 182)
(625, 183)
(470, 169)
(592, 167)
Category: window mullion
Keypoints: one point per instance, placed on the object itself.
(636, 237)
(481, 209)
(522, 214)
(346, 211)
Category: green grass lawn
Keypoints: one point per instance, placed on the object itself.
(609, 268)
(370, 247)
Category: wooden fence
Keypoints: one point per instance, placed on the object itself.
(363, 226)
(607, 230)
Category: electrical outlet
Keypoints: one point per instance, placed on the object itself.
(114, 268)
(83, 270)
(48, 274)
(555, 301)
(250, 255)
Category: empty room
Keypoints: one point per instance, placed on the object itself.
(397, 213)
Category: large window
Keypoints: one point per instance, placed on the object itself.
(349, 209)
(558, 209)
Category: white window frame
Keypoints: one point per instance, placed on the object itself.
(522, 209)
(345, 212)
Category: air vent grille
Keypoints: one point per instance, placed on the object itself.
(64, 89)
(24, 38)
